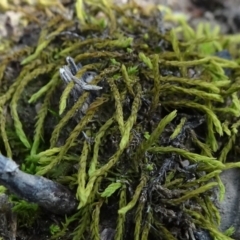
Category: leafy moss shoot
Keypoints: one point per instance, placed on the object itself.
(142, 154)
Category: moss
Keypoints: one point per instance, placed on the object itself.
(169, 84)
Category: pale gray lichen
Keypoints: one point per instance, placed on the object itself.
(67, 75)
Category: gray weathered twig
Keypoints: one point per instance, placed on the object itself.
(46, 193)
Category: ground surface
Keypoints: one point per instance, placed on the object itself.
(225, 13)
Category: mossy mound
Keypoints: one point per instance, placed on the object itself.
(145, 157)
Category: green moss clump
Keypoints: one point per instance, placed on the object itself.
(167, 102)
